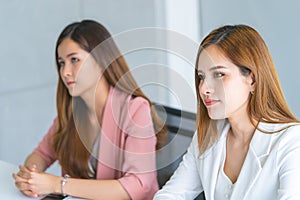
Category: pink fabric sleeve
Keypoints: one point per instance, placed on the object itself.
(44, 149)
(140, 178)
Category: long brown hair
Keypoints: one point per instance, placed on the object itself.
(246, 49)
(71, 151)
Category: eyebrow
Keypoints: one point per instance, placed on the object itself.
(69, 55)
(213, 68)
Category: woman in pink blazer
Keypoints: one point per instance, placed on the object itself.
(106, 131)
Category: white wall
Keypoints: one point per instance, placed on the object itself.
(183, 17)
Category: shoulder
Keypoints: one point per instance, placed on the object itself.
(290, 136)
(136, 103)
(138, 119)
(124, 98)
(135, 110)
(282, 142)
(288, 149)
(280, 133)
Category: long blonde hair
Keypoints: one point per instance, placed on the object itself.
(71, 152)
(245, 48)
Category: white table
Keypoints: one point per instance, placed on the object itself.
(8, 190)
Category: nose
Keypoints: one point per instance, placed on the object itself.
(206, 88)
(66, 71)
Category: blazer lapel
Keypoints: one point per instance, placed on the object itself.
(259, 149)
(249, 172)
(110, 148)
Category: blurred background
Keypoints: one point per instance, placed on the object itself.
(29, 29)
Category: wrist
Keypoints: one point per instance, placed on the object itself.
(57, 188)
(64, 181)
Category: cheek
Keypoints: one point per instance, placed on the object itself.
(236, 97)
(76, 72)
(221, 89)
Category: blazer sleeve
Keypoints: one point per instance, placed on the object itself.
(139, 165)
(185, 183)
(44, 148)
(288, 163)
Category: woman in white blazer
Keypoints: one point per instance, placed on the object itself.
(247, 145)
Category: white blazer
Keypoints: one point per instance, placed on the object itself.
(271, 170)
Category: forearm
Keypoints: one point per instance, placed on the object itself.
(95, 189)
(35, 159)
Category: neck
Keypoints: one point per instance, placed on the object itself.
(242, 130)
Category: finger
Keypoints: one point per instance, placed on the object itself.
(22, 186)
(27, 192)
(33, 174)
(24, 169)
(14, 175)
(33, 168)
(30, 193)
(23, 172)
(19, 178)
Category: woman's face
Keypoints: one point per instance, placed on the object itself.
(78, 69)
(223, 89)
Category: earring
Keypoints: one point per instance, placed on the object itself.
(252, 92)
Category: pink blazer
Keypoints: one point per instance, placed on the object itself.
(127, 145)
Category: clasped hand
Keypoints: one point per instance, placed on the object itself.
(33, 183)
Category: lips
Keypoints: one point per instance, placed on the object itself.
(70, 82)
(210, 102)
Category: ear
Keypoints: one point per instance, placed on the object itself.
(251, 81)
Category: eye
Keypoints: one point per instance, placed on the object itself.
(201, 77)
(218, 74)
(74, 60)
(61, 63)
